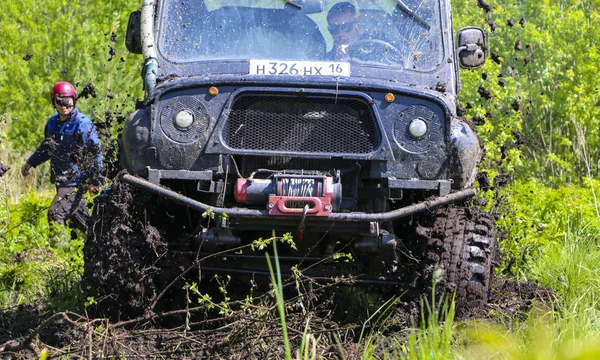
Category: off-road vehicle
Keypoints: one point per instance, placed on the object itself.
(248, 129)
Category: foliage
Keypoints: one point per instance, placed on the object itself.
(433, 340)
(277, 284)
(537, 219)
(38, 265)
(80, 41)
(543, 76)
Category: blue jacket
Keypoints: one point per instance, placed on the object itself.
(74, 151)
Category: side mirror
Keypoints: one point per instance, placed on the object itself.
(133, 38)
(471, 47)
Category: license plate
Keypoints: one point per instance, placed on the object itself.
(299, 68)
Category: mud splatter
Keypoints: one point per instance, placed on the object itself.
(502, 180)
(519, 139)
(460, 111)
(483, 178)
(484, 93)
(519, 45)
(503, 151)
(516, 105)
(441, 87)
(3, 168)
(495, 57)
(88, 90)
(478, 120)
(111, 52)
(485, 6)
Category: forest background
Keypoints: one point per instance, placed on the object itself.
(535, 103)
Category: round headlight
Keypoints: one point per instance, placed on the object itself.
(417, 128)
(184, 119)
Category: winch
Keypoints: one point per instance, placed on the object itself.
(292, 194)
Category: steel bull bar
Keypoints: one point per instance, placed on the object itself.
(252, 213)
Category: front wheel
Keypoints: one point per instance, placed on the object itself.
(461, 253)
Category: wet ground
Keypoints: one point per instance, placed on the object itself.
(251, 332)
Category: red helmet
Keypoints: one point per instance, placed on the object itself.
(63, 89)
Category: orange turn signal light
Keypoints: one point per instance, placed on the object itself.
(213, 90)
(389, 97)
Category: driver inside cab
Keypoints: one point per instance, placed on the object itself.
(342, 21)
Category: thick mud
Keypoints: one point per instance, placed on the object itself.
(120, 254)
(252, 332)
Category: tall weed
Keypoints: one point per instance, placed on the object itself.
(434, 337)
(32, 269)
(536, 219)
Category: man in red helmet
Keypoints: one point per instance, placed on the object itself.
(72, 145)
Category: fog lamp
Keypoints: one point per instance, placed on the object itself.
(417, 128)
(184, 119)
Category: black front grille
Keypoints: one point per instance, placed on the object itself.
(249, 164)
(301, 124)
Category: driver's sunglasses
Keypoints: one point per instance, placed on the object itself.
(64, 103)
(345, 27)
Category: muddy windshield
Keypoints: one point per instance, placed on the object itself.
(394, 33)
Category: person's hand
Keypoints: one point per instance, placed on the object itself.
(94, 189)
(25, 169)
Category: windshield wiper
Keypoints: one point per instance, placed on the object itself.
(296, 4)
(407, 10)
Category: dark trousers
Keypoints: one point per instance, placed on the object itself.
(69, 204)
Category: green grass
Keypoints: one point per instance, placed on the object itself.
(568, 328)
(32, 270)
(537, 219)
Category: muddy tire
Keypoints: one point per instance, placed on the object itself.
(120, 255)
(462, 243)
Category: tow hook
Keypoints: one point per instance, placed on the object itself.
(301, 226)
